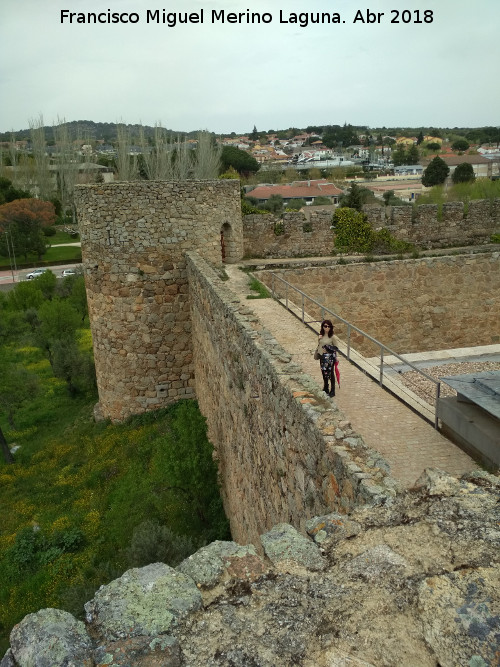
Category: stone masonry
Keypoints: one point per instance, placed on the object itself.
(165, 328)
(410, 305)
(293, 235)
(134, 238)
(456, 223)
(284, 451)
(309, 234)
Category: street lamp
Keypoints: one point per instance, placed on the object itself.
(12, 258)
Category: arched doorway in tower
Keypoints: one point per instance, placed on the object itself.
(227, 244)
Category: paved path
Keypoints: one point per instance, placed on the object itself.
(406, 441)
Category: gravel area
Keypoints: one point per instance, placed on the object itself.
(426, 389)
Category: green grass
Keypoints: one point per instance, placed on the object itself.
(261, 291)
(482, 188)
(52, 256)
(86, 487)
(62, 237)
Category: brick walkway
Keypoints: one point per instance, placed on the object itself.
(407, 442)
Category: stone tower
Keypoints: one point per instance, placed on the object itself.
(134, 236)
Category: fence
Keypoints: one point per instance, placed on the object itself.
(376, 371)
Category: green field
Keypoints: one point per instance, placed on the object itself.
(84, 501)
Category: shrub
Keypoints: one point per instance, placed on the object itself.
(353, 232)
(295, 204)
(247, 208)
(49, 231)
(154, 543)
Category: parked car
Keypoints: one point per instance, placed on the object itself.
(35, 273)
(68, 272)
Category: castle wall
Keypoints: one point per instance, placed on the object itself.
(309, 234)
(409, 305)
(294, 235)
(428, 226)
(134, 237)
(283, 451)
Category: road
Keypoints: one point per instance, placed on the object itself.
(8, 278)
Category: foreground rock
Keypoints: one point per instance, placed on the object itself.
(416, 582)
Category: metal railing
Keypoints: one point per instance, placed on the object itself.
(384, 350)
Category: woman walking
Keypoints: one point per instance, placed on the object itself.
(326, 352)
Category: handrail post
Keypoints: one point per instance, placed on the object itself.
(348, 341)
(381, 381)
(438, 392)
(286, 295)
(272, 285)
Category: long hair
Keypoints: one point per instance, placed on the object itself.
(326, 324)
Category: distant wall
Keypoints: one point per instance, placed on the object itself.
(409, 305)
(283, 451)
(310, 234)
(294, 235)
(456, 224)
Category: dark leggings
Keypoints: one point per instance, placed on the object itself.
(327, 364)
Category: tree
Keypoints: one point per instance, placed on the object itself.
(26, 295)
(341, 137)
(296, 204)
(321, 201)
(274, 204)
(433, 146)
(126, 164)
(72, 365)
(157, 160)
(420, 138)
(58, 321)
(399, 156)
(78, 298)
(436, 173)
(207, 160)
(17, 385)
(460, 145)
(189, 472)
(353, 199)
(66, 164)
(254, 135)
(243, 162)
(464, 173)
(24, 219)
(41, 161)
(387, 196)
(9, 193)
(412, 156)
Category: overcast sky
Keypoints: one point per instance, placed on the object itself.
(229, 77)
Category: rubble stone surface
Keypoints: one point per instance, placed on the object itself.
(412, 582)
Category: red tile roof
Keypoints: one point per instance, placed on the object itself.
(296, 190)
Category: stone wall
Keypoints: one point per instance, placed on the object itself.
(309, 234)
(413, 583)
(283, 451)
(409, 305)
(427, 226)
(134, 236)
(294, 235)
